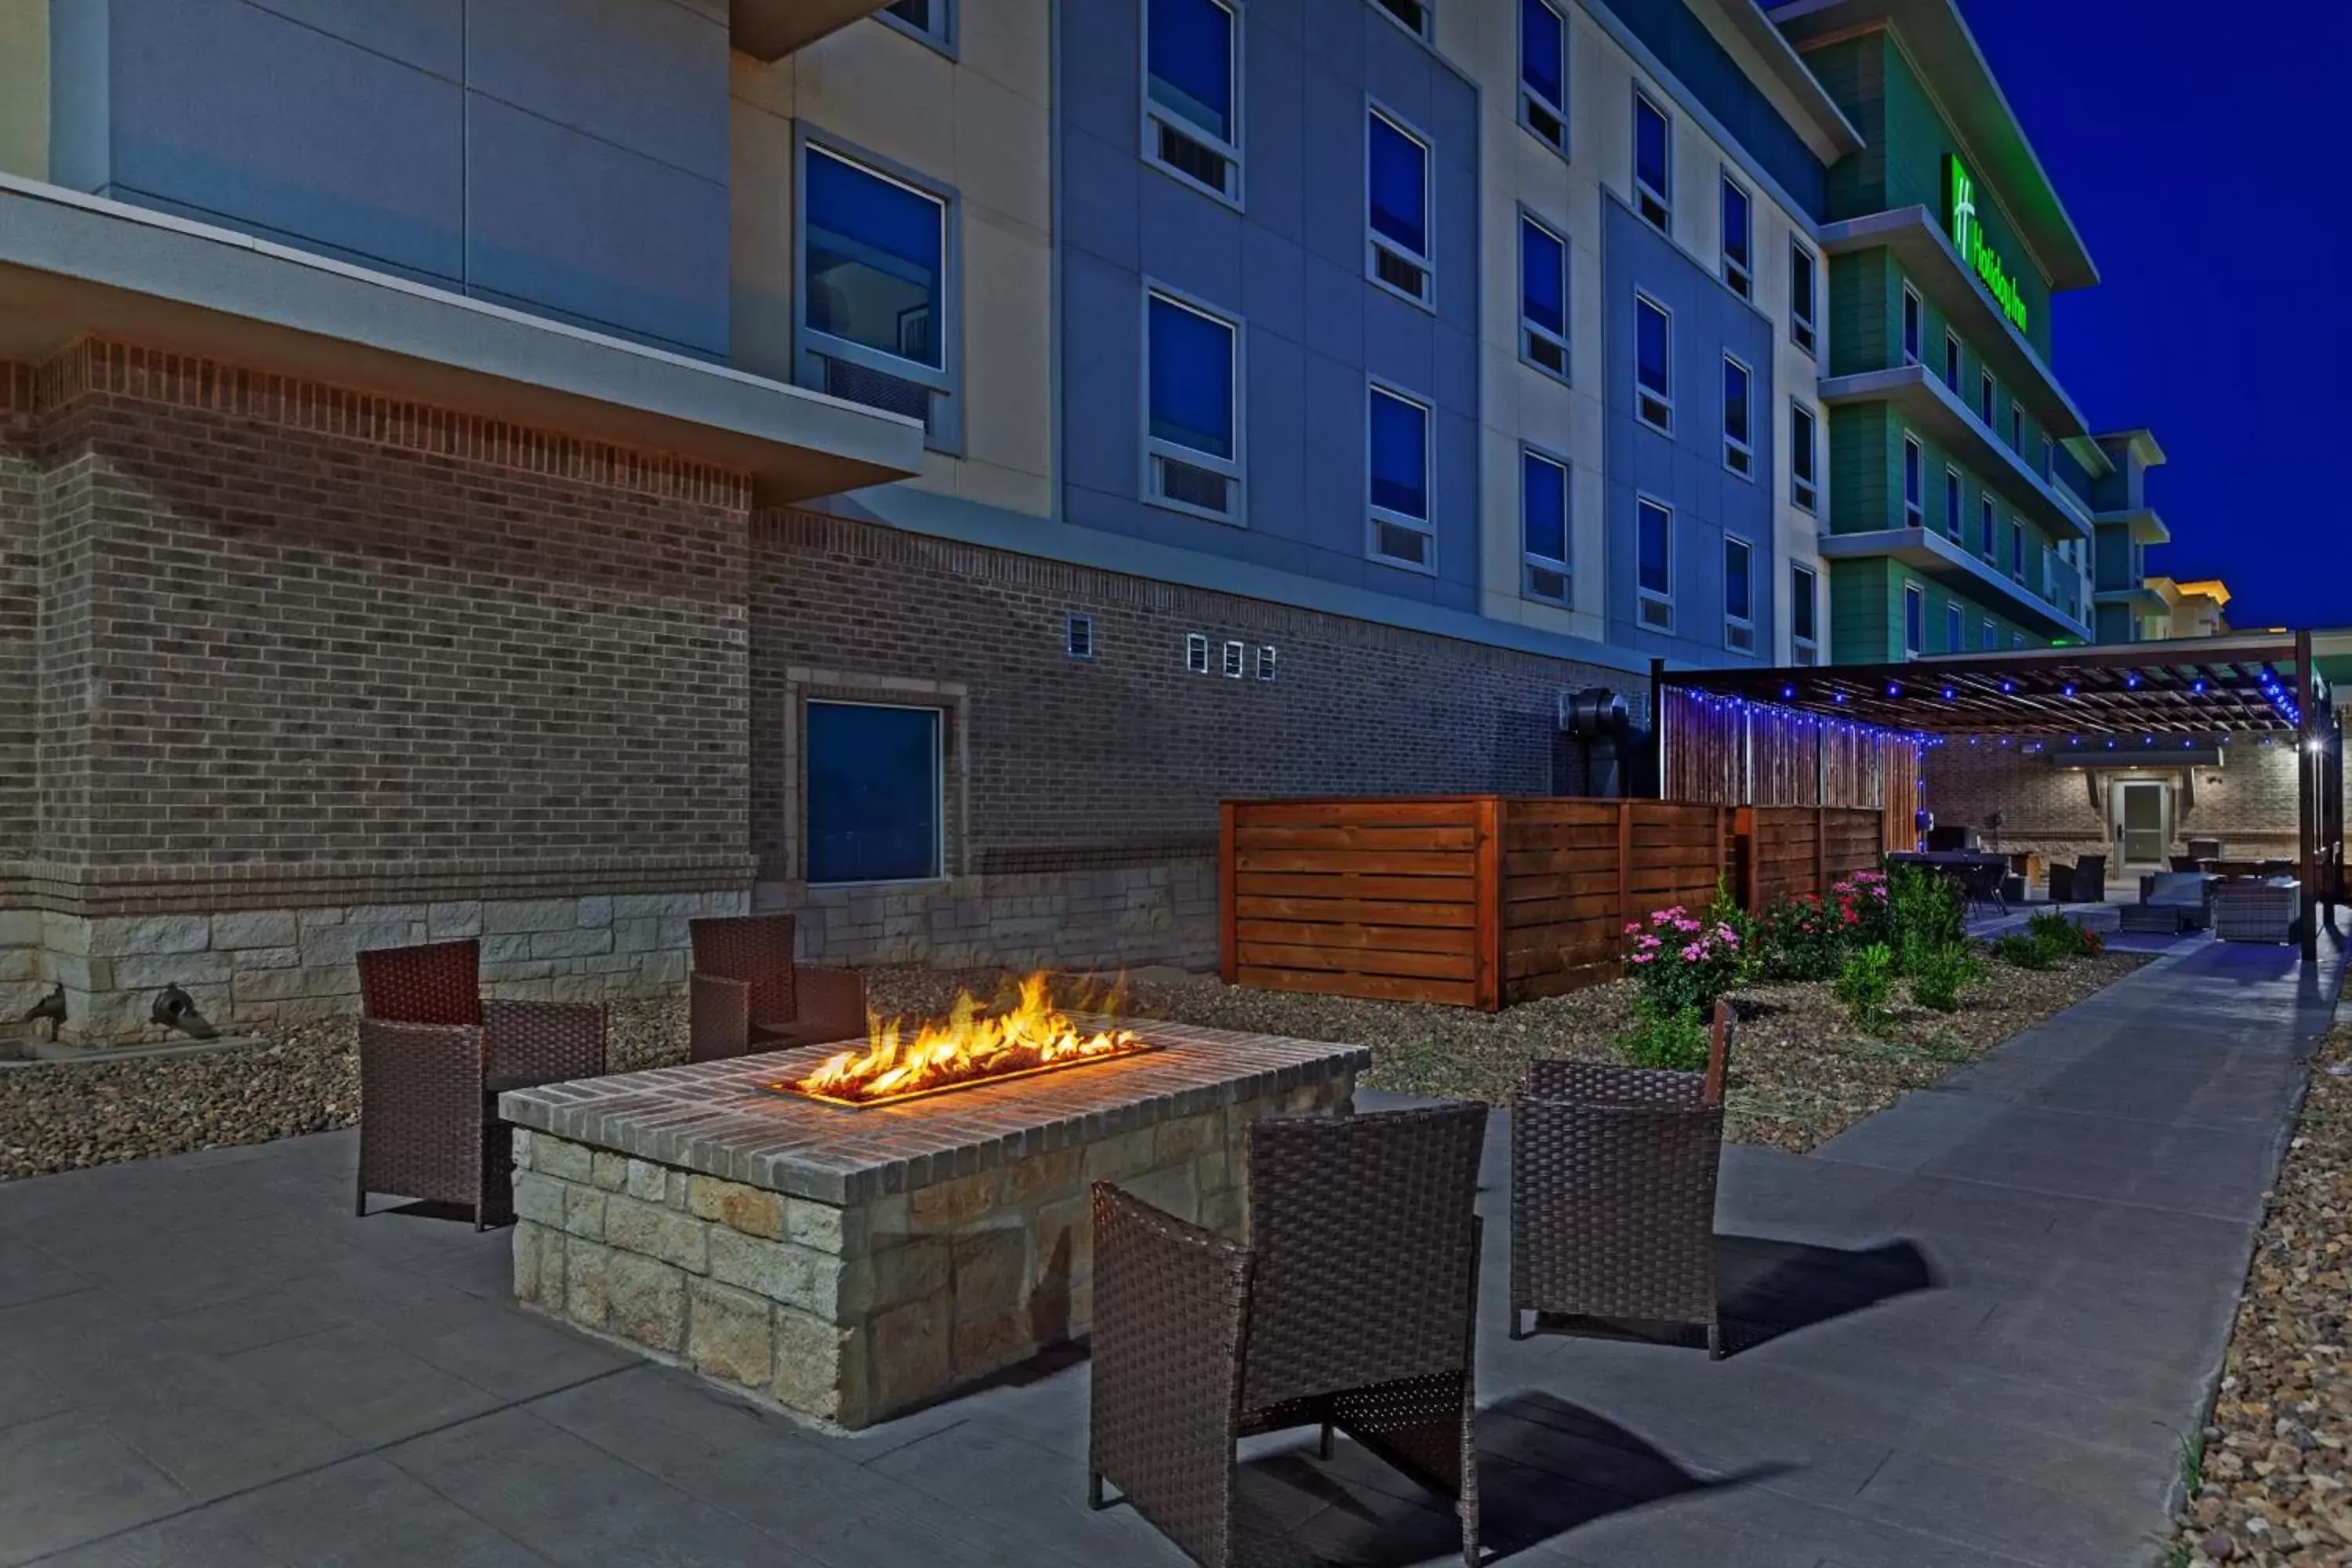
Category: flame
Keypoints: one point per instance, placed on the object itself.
(1027, 1034)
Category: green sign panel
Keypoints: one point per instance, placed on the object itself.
(1968, 234)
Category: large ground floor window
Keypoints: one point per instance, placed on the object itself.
(874, 793)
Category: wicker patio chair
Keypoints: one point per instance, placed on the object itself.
(1613, 1192)
(747, 994)
(1351, 1305)
(2084, 882)
(2258, 910)
(434, 1057)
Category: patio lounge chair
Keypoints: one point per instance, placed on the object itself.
(748, 995)
(2249, 909)
(2171, 901)
(1613, 1192)
(1353, 1305)
(2084, 882)
(434, 1057)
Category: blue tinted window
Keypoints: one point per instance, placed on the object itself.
(1400, 455)
(1911, 475)
(873, 793)
(1735, 401)
(1191, 63)
(1915, 611)
(1651, 345)
(1738, 589)
(1735, 224)
(874, 252)
(1399, 177)
(1800, 604)
(1654, 524)
(1542, 50)
(1191, 379)
(1543, 278)
(1651, 161)
(1543, 507)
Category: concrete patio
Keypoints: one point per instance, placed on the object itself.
(1971, 1328)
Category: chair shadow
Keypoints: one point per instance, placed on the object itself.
(1769, 1287)
(1545, 1467)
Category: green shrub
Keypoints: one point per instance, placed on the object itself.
(1800, 939)
(2023, 952)
(1938, 974)
(1673, 1038)
(1679, 962)
(1924, 914)
(1864, 983)
(2061, 938)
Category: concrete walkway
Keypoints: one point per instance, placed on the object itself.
(1971, 1328)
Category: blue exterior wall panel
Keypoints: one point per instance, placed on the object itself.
(1290, 265)
(1686, 470)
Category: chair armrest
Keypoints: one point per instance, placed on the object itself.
(416, 1078)
(1604, 1083)
(718, 1017)
(533, 1043)
(831, 1001)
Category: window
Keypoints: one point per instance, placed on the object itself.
(874, 288)
(1955, 629)
(1915, 619)
(2016, 640)
(2016, 428)
(1802, 491)
(1738, 446)
(2017, 550)
(1191, 434)
(1739, 595)
(1396, 192)
(1738, 240)
(1804, 593)
(1989, 636)
(1078, 636)
(1984, 397)
(1190, 126)
(1800, 295)
(1543, 298)
(874, 793)
(1397, 429)
(1196, 653)
(1543, 72)
(1952, 502)
(1653, 381)
(1236, 660)
(1654, 164)
(1952, 363)
(1543, 525)
(2048, 458)
(1910, 326)
(1265, 661)
(1653, 550)
(1412, 16)
(933, 21)
(1914, 510)
(1984, 526)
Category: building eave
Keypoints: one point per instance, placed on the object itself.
(2147, 527)
(74, 266)
(2141, 442)
(1925, 401)
(771, 29)
(1935, 557)
(1824, 126)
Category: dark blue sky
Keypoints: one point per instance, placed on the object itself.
(2199, 152)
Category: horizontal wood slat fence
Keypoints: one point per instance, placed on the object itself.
(1480, 900)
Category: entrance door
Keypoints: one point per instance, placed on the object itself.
(2144, 835)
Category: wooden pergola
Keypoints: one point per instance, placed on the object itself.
(2191, 690)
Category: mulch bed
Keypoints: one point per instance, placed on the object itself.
(2277, 1482)
(1801, 1074)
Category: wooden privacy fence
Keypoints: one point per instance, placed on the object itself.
(1479, 900)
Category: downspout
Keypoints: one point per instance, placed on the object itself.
(1055, 507)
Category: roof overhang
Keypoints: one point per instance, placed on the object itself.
(1819, 118)
(1944, 53)
(1926, 403)
(2147, 527)
(2140, 597)
(1938, 558)
(771, 29)
(2141, 443)
(73, 266)
(1912, 235)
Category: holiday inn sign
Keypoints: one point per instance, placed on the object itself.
(1968, 235)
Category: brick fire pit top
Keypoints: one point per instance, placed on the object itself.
(714, 1116)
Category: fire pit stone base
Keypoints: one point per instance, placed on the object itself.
(911, 1253)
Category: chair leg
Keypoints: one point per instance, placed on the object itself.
(1323, 1444)
(1715, 1351)
(1093, 1490)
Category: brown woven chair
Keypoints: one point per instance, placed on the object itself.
(1353, 1305)
(1613, 1192)
(433, 1057)
(747, 994)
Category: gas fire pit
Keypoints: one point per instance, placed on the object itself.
(855, 1254)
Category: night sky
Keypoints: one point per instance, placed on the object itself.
(2202, 158)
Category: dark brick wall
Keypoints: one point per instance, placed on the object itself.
(20, 525)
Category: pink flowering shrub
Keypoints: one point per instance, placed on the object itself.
(1680, 960)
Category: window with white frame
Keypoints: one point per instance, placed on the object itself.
(933, 21)
(1984, 526)
(1915, 619)
(2017, 550)
(1653, 163)
(1653, 553)
(1804, 598)
(1915, 505)
(1990, 635)
(2016, 641)
(1396, 207)
(1543, 298)
(1952, 361)
(1803, 290)
(1955, 629)
(877, 305)
(1397, 436)
(1738, 410)
(1804, 438)
(1543, 526)
(1738, 594)
(1192, 60)
(2049, 459)
(1952, 502)
(1739, 238)
(1412, 16)
(1654, 361)
(874, 793)
(1985, 398)
(1192, 415)
(2016, 428)
(1543, 72)
(1912, 325)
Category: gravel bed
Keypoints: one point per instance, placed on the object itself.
(2276, 1480)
